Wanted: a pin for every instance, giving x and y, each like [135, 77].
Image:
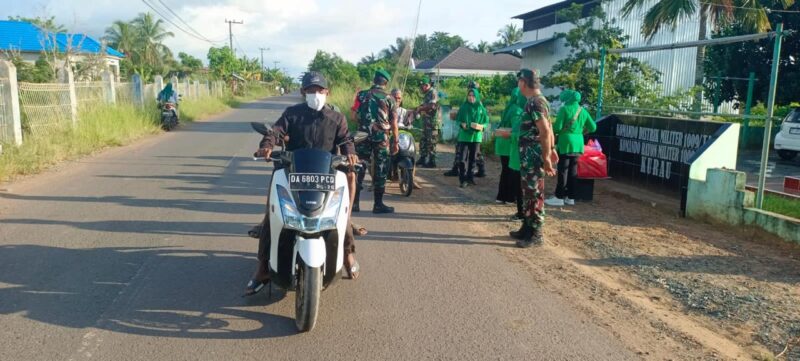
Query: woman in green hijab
[506, 193]
[571, 124]
[472, 117]
[168, 95]
[514, 113]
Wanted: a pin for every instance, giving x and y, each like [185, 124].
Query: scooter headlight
[291, 216]
[331, 212]
[405, 142]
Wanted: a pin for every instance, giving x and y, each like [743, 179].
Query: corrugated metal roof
[22, 36]
[523, 45]
[85, 44]
[466, 59]
[552, 8]
[26, 37]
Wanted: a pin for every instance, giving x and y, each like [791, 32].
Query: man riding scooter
[313, 124]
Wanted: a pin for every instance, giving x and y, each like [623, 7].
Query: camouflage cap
[531, 78]
[383, 74]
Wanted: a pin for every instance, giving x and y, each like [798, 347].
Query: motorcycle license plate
[312, 182]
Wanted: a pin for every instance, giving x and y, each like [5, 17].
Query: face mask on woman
[316, 100]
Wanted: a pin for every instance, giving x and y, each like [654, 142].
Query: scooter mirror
[261, 128]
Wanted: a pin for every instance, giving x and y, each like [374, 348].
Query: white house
[30, 42]
[541, 50]
[466, 62]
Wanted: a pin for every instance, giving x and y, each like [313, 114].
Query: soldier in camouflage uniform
[537, 156]
[376, 111]
[429, 112]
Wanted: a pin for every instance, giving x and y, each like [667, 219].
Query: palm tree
[122, 36]
[151, 34]
[483, 47]
[511, 34]
[669, 13]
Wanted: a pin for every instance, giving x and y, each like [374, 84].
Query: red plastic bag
[592, 163]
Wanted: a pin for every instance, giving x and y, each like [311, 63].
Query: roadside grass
[104, 126]
[194, 109]
[99, 127]
[781, 205]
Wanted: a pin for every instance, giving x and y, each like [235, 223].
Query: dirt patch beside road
[670, 288]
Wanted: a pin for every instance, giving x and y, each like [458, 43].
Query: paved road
[140, 254]
[777, 168]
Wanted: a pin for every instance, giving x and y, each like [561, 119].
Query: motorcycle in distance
[169, 115]
[404, 161]
[309, 208]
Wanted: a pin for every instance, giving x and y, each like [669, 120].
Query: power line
[411, 46]
[239, 46]
[230, 33]
[165, 18]
[185, 23]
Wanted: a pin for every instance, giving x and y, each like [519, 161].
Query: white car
[787, 141]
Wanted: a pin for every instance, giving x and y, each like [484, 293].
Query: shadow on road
[417, 237]
[199, 229]
[195, 205]
[157, 292]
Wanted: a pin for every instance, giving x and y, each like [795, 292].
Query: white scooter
[309, 211]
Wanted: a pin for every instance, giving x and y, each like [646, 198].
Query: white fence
[33, 109]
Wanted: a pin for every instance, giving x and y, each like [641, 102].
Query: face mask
[316, 101]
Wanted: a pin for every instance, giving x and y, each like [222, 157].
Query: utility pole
[262, 57]
[230, 33]
[276, 64]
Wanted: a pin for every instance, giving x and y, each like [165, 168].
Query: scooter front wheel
[309, 289]
[406, 181]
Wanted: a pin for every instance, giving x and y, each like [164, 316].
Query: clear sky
[292, 29]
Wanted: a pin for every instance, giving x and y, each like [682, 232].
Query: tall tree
[151, 36]
[669, 13]
[338, 71]
[739, 59]
[189, 61]
[122, 36]
[509, 34]
[222, 62]
[483, 47]
[626, 77]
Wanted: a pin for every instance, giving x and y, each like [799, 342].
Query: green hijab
[167, 92]
[471, 110]
[570, 97]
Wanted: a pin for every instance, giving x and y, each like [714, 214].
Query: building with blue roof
[31, 41]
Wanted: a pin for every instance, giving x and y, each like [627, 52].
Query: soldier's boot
[534, 238]
[522, 233]
[422, 161]
[379, 207]
[431, 162]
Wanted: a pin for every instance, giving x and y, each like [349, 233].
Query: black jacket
[308, 128]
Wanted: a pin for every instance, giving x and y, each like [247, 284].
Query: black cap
[314, 78]
[531, 78]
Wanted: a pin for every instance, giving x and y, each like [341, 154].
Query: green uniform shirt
[569, 133]
[470, 113]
